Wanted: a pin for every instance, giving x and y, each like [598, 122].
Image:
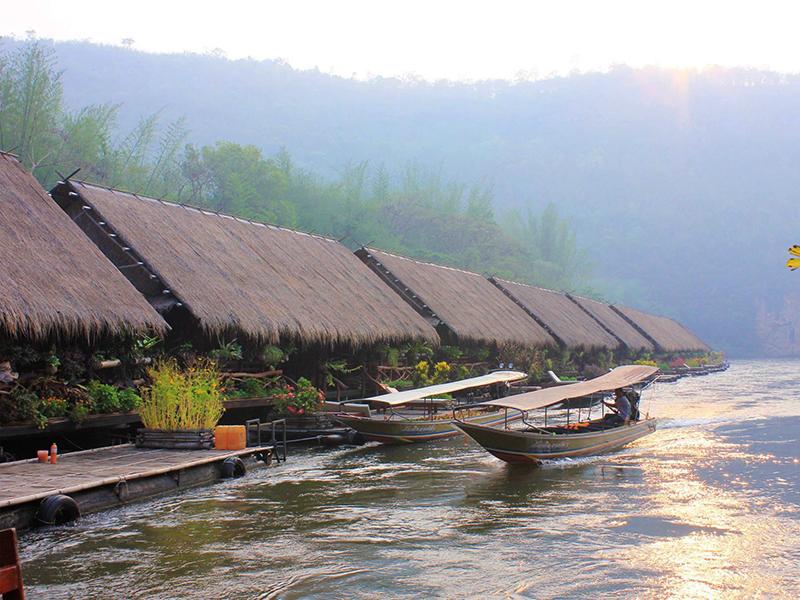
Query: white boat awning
[618, 378]
[431, 391]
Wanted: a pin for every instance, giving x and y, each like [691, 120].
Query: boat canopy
[398, 398]
[617, 378]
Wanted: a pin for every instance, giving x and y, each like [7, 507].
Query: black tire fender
[58, 509]
[233, 467]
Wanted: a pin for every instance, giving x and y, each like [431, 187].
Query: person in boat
[633, 397]
[621, 409]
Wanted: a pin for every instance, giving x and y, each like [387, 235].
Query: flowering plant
[297, 400]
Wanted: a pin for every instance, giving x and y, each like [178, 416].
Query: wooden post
[107, 364]
[11, 587]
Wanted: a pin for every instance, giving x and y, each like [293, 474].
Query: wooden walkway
[27, 481]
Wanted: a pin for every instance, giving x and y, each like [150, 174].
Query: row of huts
[92, 263]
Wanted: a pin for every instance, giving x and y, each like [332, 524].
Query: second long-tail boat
[425, 414]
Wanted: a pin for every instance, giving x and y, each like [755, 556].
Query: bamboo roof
[564, 319]
[666, 333]
[614, 323]
[257, 280]
[467, 304]
[55, 282]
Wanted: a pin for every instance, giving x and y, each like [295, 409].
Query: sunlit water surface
[708, 506]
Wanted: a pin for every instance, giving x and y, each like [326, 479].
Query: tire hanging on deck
[57, 510]
[233, 467]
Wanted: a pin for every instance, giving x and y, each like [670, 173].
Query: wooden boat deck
[27, 481]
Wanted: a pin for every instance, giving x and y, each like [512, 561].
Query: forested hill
[681, 186]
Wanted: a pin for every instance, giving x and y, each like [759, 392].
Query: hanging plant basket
[194, 439]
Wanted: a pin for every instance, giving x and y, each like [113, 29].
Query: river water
[708, 506]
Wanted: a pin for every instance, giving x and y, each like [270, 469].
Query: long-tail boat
[535, 442]
[424, 414]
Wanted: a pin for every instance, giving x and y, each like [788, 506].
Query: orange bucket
[237, 437]
[221, 437]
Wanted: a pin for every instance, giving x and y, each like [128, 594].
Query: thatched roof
[558, 314]
[668, 335]
[614, 323]
[238, 277]
[467, 304]
[55, 282]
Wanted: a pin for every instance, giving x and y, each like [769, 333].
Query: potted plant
[298, 400]
[181, 407]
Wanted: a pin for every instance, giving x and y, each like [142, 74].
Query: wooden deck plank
[26, 481]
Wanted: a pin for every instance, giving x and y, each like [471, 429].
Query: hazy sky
[436, 39]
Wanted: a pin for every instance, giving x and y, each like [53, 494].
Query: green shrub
[104, 397]
[393, 357]
[462, 372]
[300, 399]
[273, 356]
[253, 388]
[336, 369]
[54, 407]
[24, 404]
[128, 400]
[451, 353]
[227, 351]
[80, 410]
[483, 353]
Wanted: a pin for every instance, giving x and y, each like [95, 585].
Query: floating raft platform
[113, 476]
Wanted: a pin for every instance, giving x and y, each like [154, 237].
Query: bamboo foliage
[180, 400]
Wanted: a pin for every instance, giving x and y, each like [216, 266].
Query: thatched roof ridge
[613, 323]
[467, 304]
[257, 280]
[57, 283]
[564, 319]
[666, 333]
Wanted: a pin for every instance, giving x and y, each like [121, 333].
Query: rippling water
[708, 506]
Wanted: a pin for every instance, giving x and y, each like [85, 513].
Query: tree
[242, 182]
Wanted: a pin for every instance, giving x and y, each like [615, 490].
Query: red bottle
[53, 453]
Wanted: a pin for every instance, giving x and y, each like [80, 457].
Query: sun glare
[442, 40]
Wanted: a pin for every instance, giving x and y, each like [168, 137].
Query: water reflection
[707, 506]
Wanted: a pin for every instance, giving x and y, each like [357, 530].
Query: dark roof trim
[635, 325]
[137, 270]
[400, 288]
[528, 311]
[598, 321]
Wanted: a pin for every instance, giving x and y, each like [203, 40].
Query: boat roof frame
[408, 396]
[620, 377]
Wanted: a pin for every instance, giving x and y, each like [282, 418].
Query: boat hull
[408, 431]
[532, 447]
